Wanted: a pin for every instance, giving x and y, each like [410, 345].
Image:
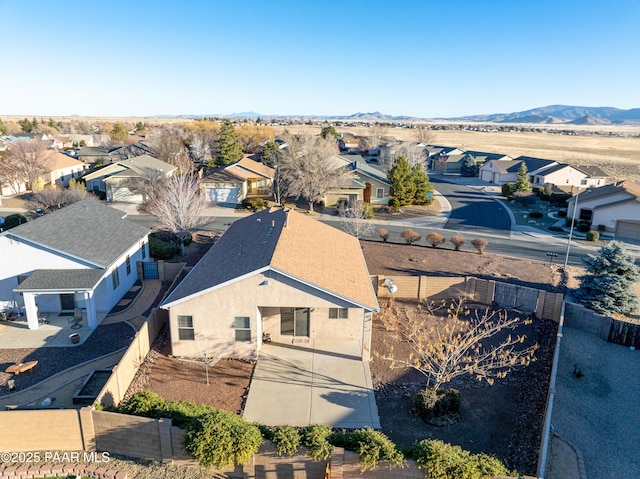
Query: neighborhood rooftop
[289, 243]
[87, 230]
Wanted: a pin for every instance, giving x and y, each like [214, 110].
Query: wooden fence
[542, 304]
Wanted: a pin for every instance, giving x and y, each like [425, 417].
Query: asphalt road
[472, 210]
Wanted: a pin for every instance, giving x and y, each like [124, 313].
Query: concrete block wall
[41, 430]
[578, 317]
[128, 435]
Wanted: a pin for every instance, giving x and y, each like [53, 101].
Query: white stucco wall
[608, 216]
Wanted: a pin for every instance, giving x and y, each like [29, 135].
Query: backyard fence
[606, 328]
[542, 304]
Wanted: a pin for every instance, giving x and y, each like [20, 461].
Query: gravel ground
[598, 413]
[104, 340]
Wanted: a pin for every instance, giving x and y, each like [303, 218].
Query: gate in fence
[150, 270]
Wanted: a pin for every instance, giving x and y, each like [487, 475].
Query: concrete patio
[322, 382]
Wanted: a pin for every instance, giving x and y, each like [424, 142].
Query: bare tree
[28, 160]
[200, 149]
[307, 168]
[443, 349]
[376, 134]
[178, 204]
[50, 199]
[251, 136]
[167, 144]
[414, 154]
[356, 218]
[423, 134]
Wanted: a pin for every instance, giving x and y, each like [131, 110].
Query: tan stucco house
[612, 209]
[234, 182]
[365, 183]
[279, 274]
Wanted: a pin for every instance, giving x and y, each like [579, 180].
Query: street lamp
[573, 220]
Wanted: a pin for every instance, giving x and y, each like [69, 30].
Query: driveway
[322, 382]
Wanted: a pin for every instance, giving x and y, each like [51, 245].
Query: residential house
[366, 183]
[63, 169]
[611, 209]
[276, 274]
[237, 181]
[438, 154]
[505, 171]
[98, 155]
[116, 180]
[94, 155]
[563, 175]
[82, 256]
[450, 163]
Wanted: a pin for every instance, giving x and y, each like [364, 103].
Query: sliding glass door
[294, 322]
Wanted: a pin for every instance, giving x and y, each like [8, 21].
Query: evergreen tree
[608, 285]
[118, 133]
[422, 184]
[269, 152]
[523, 184]
[35, 124]
[403, 188]
[3, 128]
[26, 125]
[229, 150]
[469, 167]
[329, 132]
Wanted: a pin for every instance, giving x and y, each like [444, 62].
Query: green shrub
[159, 249]
[374, 447]
[568, 222]
[535, 214]
[507, 190]
[286, 439]
[14, 220]
[316, 439]
[440, 460]
[223, 439]
[367, 211]
[562, 213]
[145, 403]
[435, 403]
[185, 414]
[254, 204]
[593, 236]
[395, 203]
[584, 226]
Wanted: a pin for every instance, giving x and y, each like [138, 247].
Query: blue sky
[428, 58]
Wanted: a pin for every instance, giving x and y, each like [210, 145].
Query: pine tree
[3, 128]
[469, 167]
[402, 186]
[523, 184]
[608, 285]
[229, 150]
[422, 184]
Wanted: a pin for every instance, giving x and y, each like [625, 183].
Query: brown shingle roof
[289, 243]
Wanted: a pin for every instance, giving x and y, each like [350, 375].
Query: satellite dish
[393, 288]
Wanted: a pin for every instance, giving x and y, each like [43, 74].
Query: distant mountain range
[550, 115]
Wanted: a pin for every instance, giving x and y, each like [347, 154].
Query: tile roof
[87, 230]
[290, 243]
[61, 280]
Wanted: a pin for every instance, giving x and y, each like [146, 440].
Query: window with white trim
[115, 278]
[379, 193]
[242, 325]
[128, 263]
[338, 313]
[185, 328]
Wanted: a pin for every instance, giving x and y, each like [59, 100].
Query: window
[128, 263]
[185, 328]
[115, 278]
[95, 185]
[338, 313]
[243, 328]
[379, 192]
[583, 182]
[144, 250]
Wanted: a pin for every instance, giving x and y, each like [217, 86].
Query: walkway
[323, 382]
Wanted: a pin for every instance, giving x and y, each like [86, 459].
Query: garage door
[223, 195]
[628, 230]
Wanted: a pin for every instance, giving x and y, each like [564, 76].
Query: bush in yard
[457, 242]
[410, 236]
[568, 221]
[507, 190]
[384, 234]
[223, 439]
[372, 446]
[435, 239]
[144, 403]
[286, 439]
[535, 214]
[562, 213]
[593, 236]
[584, 226]
[431, 404]
[394, 203]
[159, 249]
[14, 220]
[480, 244]
[316, 439]
[440, 460]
